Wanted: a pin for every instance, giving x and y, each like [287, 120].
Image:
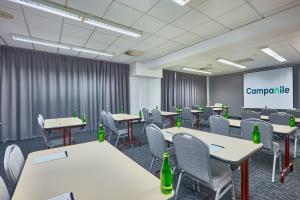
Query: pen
[66, 153]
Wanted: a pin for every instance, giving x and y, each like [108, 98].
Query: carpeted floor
[260, 170]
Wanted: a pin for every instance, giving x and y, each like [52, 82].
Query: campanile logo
[265, 91]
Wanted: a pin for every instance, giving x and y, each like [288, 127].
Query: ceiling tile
[168, 11]
[45, 23]
[238, 17]
[190, 20]
[87, 55]
[143, 6]
[154, 40]
[44, 34]
[10, 5]
[121, 42]
[17, 16]
[209, 29]
[13, 28]
[195, 3]
[215, 8]
[268, 8]
[77, 31]
[169, 32]
[142, 47]
[72, 40]
[14, 43]
[103, 37]
[172, 46]
[122, 14]
[43, 14]
[68, 52]
[93, 44]
[116, 49]
[94, 7]
[188, 38]
[122, 58]
[149, 24]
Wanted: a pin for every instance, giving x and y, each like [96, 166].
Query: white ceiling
[167, 27]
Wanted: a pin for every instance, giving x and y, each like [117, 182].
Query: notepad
[50, 157]
[65, 196]
[213, 148]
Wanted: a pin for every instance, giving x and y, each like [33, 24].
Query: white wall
[144, 88]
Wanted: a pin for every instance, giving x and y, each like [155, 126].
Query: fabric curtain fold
[167, 90]
[54, 85]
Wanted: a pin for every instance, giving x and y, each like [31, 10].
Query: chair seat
[221, 174]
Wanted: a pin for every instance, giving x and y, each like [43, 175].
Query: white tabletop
[125, 117]
[196, 111]
[92, 171]
[281, 129]
[165, 113]
[235, 150]
[68, 122]
[266, 117]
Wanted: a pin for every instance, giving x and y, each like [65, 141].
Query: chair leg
[109, 136]
[152, 162]
[144, 128]
[117, 140]
[217, 197]
[274, 167]
[232, 190]
[280, 163]
[178, 185]
[295, 147]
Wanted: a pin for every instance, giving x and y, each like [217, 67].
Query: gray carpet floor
[259, 171]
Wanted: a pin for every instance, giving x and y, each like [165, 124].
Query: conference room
[149, 99]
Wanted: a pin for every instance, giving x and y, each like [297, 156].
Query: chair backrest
[219, 125]
[296, 113]
[186, 114]
[195, 107]
[249, 114]
[186, 147]
[156, 141]
[268, 111]
[156, 116]
[13, 162]
[281, 118]
[265, 129]
[4, 195]
[111, 122]
[208, 111]
[103, 119]
[42, 118]
[172, 109]
[146, 115]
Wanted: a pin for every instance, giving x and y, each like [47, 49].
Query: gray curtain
[190, 89]
[54, 85]
[167, 90]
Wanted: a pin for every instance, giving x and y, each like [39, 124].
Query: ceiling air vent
[134, 53]
[5, 15]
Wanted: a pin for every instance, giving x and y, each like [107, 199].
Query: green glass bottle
[101, 135]
[140, 114]
[166, 176]
[74, 113]
[178, 121]
[292, 121]
[83, 118]
[256, 135]
[226, 114]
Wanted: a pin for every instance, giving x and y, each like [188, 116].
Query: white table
[64, 123]
[235, 151]
[266, 117]
[92, 171]
[283, 130]
[123, 117]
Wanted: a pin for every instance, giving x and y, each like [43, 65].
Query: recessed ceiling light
[273, 54]
[78, 16]
[195, 70]
[227, 62]
[181, 2]
[58, 45]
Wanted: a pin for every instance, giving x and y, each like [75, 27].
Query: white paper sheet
[213, 148]
[65, 196]
[50, 157]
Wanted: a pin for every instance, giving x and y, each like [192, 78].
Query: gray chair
[201, 168]
[296, 136]
[268, 111]
[296, 113]
[158, 146]
[4, 195]
[13, 163]
[54, 138]
[266, 138]
[247, 114]
[187, 118]
[104, 121]
[158, 120]
[120, 133]
[207, 112]
[219, 125]
[147, 118]
[280, 118]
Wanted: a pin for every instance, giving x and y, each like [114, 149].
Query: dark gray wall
[228, 89]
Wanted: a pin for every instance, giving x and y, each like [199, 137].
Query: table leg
[70, 142]
[198, 120]
[288, 165]
[65, 136]
[130, 139]
[245, 180]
